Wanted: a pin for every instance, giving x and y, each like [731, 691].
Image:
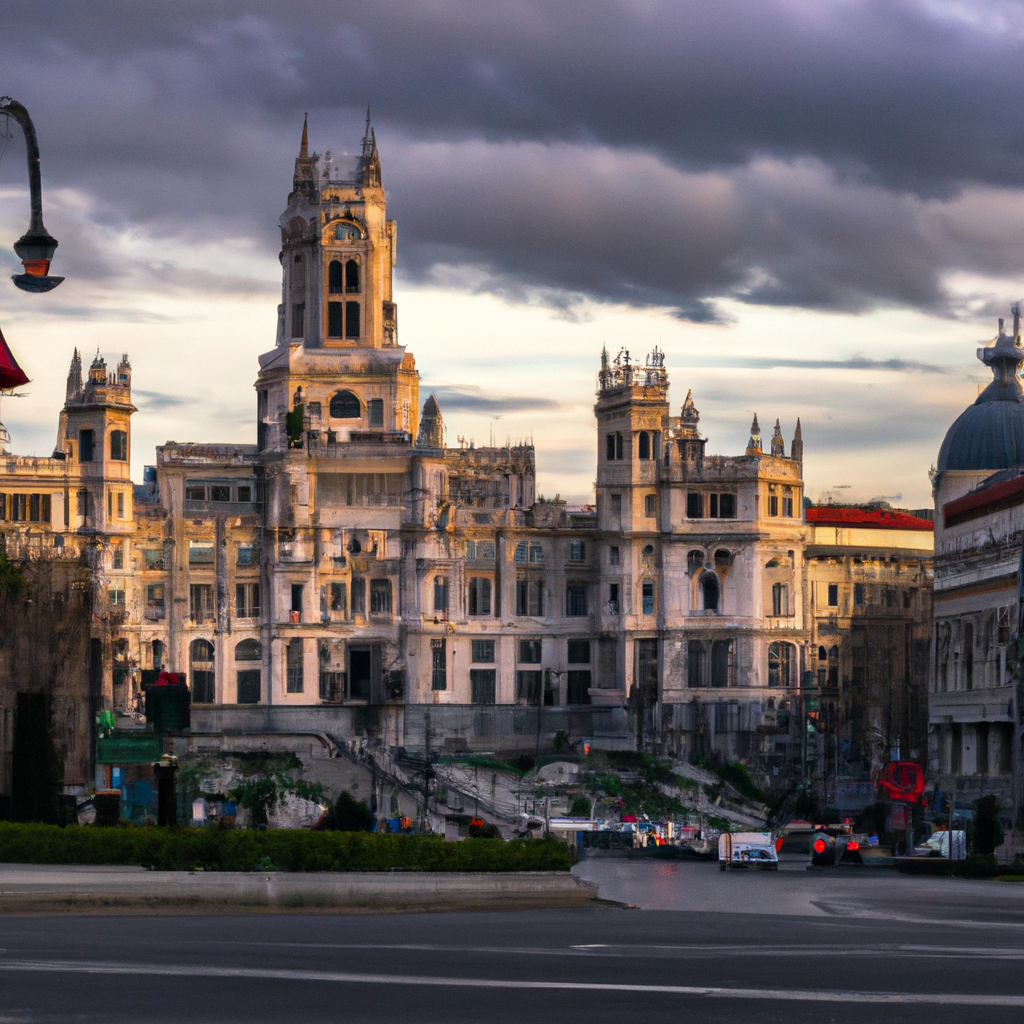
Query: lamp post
[35, 248]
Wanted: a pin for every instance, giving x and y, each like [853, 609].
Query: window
[295, 670]
[345, 406]
[334, 277]
[579, 686]
[833, 595]
[482, 651]
[155, 602]
[358, 595]
[83, 504]
[200, 602]
[117, 561]
[710, 591]
[613, 446]
[246, 555]
[479, 595]
[650, 506]
[195, 492]
[351, 319]
[298, 321]
[859, 594]
[575, 599]
[375, 412]
[613, 556]
[696, 662]
[440, 593]
[528, 686]
[247, 600]
[694, 505]
[86, 443]
[249, 650]
[438, 664]
[721, 506]
[644, 445]
[480, 550]
[721, 663]
[158, 654]
[613, 599]
[482, 685]
[780, 665]
[529, 596]
[616, 506]
[337, 598]
[520, 552]
[120, 504]
[529, 652]
[380, 597]
[296, 605]
[647, 597]
[351, 276]
[578, 652]
[116, 598]
[780, 599]
[119, 445]
[833, 667]
[201, 665]
[334, 315]
[536, 551]
[577, 551]
[787, 502]
[249, 685]
[200, 552]
[773, 501]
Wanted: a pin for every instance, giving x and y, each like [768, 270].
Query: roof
[870, 518]
[984, 500]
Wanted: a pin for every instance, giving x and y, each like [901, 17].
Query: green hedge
[212, 849]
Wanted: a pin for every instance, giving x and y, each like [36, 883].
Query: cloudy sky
[815, 209]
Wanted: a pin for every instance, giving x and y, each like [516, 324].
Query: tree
[265, 782]
[988, 833]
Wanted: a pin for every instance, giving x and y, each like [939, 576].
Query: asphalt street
[794, 946]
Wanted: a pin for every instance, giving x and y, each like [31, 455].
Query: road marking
[340, 977]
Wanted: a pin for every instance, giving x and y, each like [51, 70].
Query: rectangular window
[119, 445]
[713, 506]
[727, 506]
[833, 595]
[247, 600]
[780, 599]
[295, 680]
[375, 410]
[438, 664]
[859, 594]
[616, 506]
[536, 552]
[787, 502]
[579, 686]
[479, 595]
[298, 322]
[773, 504]
[116, 598]
[3, 507]
[483, 651]
[613, 599]
[296, 605]
[246, 555]
[155, 602]
[520, 553]
[110, 504]
[647, 597]
[576, 599]
[694, 505]
[86, 444]
[200, 601]
[248, 681]
[220, 492]
[120, 504]
[358, 595]
[522, 596]
[482, 685]
[195, 492]
[118, 555]
[578, 652]
[578, 551]
[480, 550]
[613, 556]
[351, 319]
[245, 492]
[380, 597]
[650, 506]
[721, 663]
[338, 602]
[83, 504]
[528, 686]
[200, 552]
[529, 652]
[334, 319]
[440, 593]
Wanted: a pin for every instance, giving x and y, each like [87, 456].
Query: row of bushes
[212, 849]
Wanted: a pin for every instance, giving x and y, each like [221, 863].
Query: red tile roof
[872, 519]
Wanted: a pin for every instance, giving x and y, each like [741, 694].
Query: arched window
[710, 591]
[645, 445]
[201, 665]
[345, 406]
[723, 560]
[249, 650]
[334, 275]
[695, 562]
[351, 276]
[351, 319]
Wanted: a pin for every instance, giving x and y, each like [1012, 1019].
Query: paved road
[822, 947]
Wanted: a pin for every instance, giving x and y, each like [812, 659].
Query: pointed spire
[74, 388]
[431, 433]
[796, 451]
[304, 145]
[754, 444]
[778, 444]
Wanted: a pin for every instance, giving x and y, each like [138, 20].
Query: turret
[778, 444]
[74, 385]
[431, 433]
[796, 452]
[754, 444]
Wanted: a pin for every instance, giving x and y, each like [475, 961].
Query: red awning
[11, 374]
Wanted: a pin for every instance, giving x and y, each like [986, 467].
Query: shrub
[349, 814]
[738, 777]
[580, 808]
[215, 849]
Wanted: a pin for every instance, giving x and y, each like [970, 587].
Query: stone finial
[778, 444]
[754, 444]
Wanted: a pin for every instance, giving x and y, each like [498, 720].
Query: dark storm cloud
[647, 152]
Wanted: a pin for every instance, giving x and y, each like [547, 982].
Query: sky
[814, 209]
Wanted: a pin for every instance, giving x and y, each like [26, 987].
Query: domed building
[974, 699]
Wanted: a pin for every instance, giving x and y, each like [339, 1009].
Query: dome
[989, 435]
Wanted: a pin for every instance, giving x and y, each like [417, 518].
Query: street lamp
[35, 248]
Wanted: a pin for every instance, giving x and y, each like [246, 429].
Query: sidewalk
[29, 888]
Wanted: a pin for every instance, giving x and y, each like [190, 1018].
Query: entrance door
[359, 673]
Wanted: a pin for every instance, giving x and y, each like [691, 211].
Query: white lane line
[341, 977]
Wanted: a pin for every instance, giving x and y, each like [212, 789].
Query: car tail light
[853, 845]
[819, 845]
